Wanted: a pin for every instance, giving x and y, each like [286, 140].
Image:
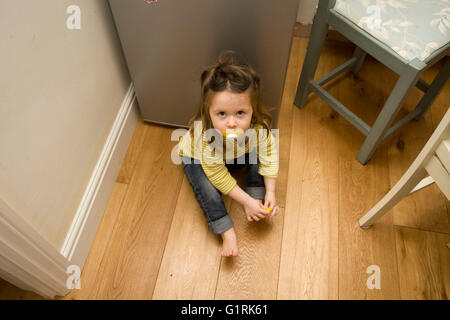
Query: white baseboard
[93, 204]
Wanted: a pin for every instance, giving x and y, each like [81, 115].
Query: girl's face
[231, 111]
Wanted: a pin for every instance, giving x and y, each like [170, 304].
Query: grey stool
[369, 29]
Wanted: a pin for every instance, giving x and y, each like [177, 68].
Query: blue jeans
[210, 199]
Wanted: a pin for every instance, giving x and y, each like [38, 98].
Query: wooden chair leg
[401, 189]
[390, 109]
[360, 55]
[315, 44]
[434, 89]
[427, 162]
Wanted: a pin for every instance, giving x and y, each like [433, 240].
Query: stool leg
[390, 109]
[315, 44]
[360, 55]
[435, 87]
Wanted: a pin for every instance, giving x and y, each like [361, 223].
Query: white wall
[306, 11]
[60, 92]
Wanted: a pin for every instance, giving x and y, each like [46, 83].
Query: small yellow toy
[269, 209]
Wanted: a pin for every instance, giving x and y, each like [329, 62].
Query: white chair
[433, 160]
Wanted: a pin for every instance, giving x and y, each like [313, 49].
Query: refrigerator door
[168, 43]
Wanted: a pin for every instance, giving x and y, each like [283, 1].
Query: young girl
[231, 104]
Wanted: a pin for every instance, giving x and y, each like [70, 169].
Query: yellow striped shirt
[213, 155]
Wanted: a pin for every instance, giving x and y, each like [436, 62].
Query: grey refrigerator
[168, 43]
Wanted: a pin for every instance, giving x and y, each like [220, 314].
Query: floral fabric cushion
[412, 28]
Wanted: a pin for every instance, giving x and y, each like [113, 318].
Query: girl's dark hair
[232, 74]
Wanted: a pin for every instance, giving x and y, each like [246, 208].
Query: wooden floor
[154, 243]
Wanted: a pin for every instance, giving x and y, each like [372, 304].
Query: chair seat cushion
[412, 28]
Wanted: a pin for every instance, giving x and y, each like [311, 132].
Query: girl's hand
[255, 210]
[271, 202]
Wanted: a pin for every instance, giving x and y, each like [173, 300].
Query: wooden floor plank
[90, 274]
[308, 266]
[360, 187]
[131, 262]
[133, 153]
[442, 102]
[285, 120]
[424, 264]
[254, 274]
[191, 260]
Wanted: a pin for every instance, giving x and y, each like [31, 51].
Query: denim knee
[208, 197]
[255, 182]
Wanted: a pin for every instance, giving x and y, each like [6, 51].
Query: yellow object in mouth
[232, 134]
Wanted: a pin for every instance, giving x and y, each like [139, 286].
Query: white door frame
[28, 260]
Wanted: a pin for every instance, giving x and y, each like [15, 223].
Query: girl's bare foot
[229, 246]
